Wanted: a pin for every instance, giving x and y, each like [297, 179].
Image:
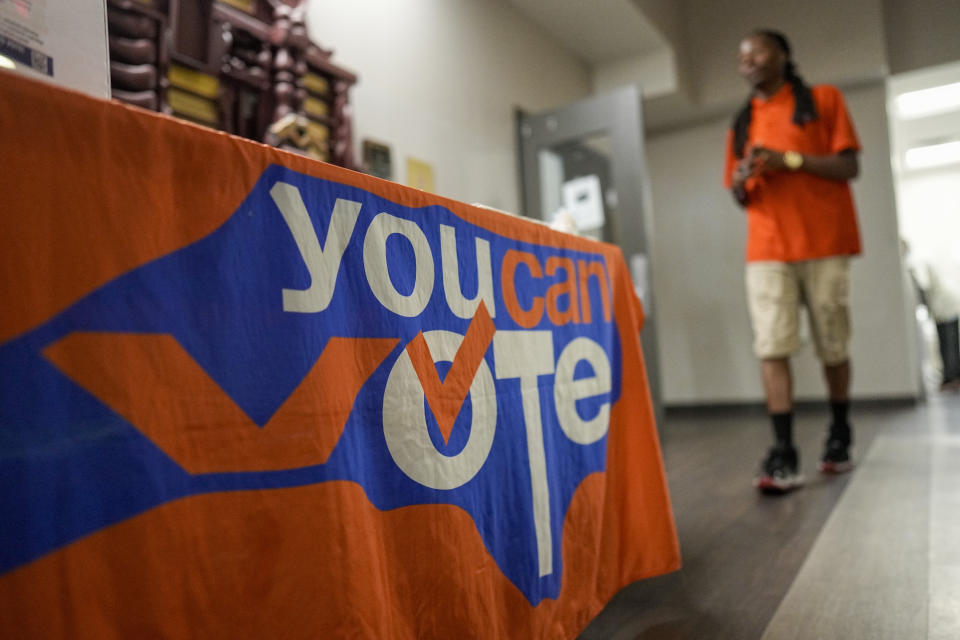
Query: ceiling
[596, 31]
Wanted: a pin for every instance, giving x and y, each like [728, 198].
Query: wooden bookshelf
[243, 66]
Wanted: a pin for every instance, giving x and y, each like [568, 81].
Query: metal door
[585, 161]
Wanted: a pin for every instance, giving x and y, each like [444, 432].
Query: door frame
[619, 115]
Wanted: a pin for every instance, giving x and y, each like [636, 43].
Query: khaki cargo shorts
[775, 292]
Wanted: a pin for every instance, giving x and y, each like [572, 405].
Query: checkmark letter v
[446, 398]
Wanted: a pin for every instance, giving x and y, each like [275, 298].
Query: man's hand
[742, 171]
[838, 166]
[769, 159]
[751, 164]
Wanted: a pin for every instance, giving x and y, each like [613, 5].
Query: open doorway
[586, 160]
[924, 108]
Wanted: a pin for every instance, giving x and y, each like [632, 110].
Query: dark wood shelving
[246, 67]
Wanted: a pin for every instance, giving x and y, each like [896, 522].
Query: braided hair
[804, 110]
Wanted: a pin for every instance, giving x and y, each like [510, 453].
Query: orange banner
[246, 394]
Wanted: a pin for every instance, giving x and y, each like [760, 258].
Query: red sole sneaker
[769, 484]
[835, 468]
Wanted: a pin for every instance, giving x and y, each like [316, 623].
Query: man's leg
[778, 387]
[836, 453]
[773, 298]
[838, 386]
[777, 384]
[838, 381]
[826, 286]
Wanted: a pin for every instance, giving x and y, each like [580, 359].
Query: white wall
[705, 351]
[921, 33]
[835, 42]
[928, 199]
[654, 72]
[885, 359]
[698, 248]
[439, 81]
[930, 212]
[705, 340]
[668, 18]
[659, 70]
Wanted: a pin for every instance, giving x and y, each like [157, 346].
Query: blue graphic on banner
[70, 465]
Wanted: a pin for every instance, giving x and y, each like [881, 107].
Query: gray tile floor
[873, 554]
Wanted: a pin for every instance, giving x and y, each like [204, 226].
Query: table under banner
[244, 394]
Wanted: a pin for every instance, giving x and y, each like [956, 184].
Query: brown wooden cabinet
[243, 66]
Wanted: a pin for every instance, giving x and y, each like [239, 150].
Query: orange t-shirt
[793, 215]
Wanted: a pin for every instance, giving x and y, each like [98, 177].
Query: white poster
[583, 199]
[60, 41]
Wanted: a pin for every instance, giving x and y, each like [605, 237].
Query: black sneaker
[836, 456]
[780, 471]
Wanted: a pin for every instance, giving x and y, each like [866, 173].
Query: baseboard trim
[800, 406]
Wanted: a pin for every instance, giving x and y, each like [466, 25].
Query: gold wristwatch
[792, 160]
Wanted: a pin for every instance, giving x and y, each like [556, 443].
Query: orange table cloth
[244, 394]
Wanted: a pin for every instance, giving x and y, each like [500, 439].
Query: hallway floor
[870, 555]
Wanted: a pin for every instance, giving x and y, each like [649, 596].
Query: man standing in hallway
[790, 153]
